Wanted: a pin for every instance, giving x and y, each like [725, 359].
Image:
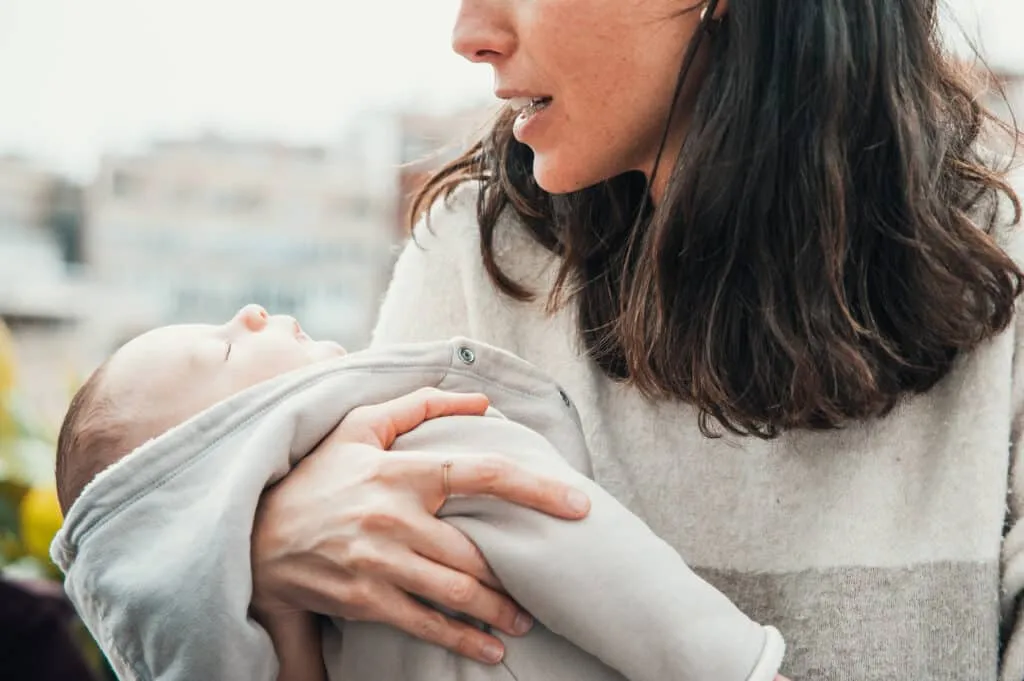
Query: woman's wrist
[296, 639]
[268, 540]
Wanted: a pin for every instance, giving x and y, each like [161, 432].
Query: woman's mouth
[528, 109]
[523, 104]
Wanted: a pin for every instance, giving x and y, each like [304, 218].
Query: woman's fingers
[434, 478]
[442, 543]
[501, 477]
[433, 626]
[380, 425]
[460, 593]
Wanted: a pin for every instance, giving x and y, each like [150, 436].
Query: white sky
[78, 76]
[81, 76]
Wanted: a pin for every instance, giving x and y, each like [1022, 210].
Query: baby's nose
[253, 317]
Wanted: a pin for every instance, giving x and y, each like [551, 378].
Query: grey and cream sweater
[888, 550]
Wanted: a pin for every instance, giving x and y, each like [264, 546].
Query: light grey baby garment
[156, 550]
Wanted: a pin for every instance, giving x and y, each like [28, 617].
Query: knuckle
[357, 598]
[465, 644]
[380, 522]
[492, 470]
[432, 626]
[461, 590]
[364, 557]
[386, 470]
[356, 426]
[356, 416]
[428, 392]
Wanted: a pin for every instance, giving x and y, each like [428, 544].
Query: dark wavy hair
[824, 246]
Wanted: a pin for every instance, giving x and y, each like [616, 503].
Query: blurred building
[24, 192]
[428, 142]
[41, 300]
[202, 227]
[30, 253]
[401, 148]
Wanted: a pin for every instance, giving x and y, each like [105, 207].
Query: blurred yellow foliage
[7, 361]
[40, 520]
[29, 513]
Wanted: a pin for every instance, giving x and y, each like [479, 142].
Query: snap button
[466, 355]
[565, 397]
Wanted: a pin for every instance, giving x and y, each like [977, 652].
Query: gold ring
[446, 481]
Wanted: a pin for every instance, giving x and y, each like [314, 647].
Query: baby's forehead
[166, 341]
[155, 354]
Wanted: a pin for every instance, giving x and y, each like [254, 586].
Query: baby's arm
[297, 642]
[606, 583]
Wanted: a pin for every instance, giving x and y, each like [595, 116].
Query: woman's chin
[556, 178]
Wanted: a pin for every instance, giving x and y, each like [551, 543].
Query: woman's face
[606, 70]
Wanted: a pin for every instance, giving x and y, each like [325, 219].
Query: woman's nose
[252, 317]
[483, 32]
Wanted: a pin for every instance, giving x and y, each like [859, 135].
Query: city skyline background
[167, 162]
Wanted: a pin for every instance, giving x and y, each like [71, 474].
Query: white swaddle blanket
[156, 551]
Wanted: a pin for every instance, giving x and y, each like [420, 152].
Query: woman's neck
[666, 165]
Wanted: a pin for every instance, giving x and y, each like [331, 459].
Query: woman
[759, 244]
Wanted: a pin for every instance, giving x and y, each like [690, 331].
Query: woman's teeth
[528, 105]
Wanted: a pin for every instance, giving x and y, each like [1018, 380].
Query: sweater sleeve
[426, 299]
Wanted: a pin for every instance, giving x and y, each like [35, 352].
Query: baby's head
[166, 376]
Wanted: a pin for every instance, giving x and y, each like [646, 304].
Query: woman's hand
[352, 531]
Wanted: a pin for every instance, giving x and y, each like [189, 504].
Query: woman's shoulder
[451, 222]
[441, 286]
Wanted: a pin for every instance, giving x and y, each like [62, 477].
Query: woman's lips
[528, 117]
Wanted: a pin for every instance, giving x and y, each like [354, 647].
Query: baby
[596, 582]
[164, 377]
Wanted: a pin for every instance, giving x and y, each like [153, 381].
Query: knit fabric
[877, 550]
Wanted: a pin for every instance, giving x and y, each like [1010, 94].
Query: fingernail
[578, 501]
[493, 652]
[522, 624]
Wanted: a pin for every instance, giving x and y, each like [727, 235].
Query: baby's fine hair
[91, 438]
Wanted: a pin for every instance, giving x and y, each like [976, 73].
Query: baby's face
[170, 374]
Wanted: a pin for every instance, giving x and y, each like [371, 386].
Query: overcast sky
[80, 76]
